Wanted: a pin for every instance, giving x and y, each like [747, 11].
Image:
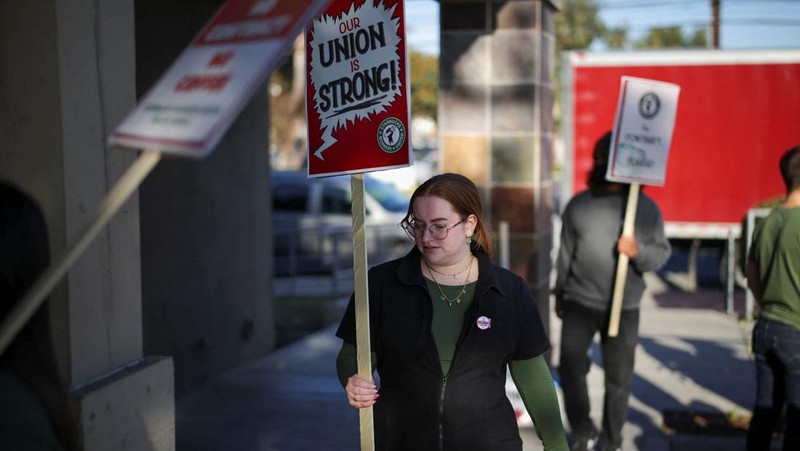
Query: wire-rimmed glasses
[438, 231]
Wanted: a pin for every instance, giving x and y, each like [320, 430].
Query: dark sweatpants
[580, 324]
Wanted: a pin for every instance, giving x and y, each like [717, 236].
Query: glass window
[335, 199]
[387, 195]
[290, 197]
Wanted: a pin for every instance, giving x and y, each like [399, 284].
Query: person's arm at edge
[565, 250]
[751, 271]
[753, 280]
[535, 385]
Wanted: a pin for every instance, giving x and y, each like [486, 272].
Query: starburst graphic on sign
[355, 67]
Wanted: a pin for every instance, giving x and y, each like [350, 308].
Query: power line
[693, 13]
[640, 4]
[659, 22]
[762, 21]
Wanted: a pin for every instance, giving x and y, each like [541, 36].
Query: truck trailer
[738, 112]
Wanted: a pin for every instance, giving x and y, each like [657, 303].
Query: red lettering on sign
[349, 25]
[211, 83]
[221, 59]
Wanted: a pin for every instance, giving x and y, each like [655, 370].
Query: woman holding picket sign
[445, 325]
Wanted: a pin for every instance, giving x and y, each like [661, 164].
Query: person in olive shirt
[445, 325]
[773, 275]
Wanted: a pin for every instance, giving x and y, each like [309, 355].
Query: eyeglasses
[437, 231]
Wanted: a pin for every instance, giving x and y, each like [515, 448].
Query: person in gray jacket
[586, 267]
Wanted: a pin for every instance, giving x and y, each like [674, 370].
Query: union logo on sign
[649, 105]
[391, 135]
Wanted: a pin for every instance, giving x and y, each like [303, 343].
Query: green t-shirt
[448, 319]
[776, 252]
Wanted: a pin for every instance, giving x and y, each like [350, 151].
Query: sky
[745, 24]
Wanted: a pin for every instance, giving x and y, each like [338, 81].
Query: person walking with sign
[445, 324]
[773, 271]
[590, 244]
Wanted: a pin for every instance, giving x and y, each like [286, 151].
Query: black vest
[419, 408]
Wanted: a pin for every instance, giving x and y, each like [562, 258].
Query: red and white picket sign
[357, 100]
[194, 103]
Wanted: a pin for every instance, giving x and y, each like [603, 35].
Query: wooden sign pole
[36, 295]
[362, 305]
[622, 262]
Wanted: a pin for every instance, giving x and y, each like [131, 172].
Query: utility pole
[715, 23]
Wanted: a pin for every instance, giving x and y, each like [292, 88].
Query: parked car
[312, 222]
[407, 179]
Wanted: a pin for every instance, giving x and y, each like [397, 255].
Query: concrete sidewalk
[692, 365]
[692, 368]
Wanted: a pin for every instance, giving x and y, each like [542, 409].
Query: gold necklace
[454, 274]
[457, 299]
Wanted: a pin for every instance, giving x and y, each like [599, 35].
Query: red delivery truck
[738, 112]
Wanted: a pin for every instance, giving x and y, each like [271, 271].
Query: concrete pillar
[496, 123]
[206, 225]
[67, 71]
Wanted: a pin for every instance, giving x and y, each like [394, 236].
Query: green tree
[699, 39]
[616, 38]
[662, 37]
[578, 25]
[424, 74]
[671, 37]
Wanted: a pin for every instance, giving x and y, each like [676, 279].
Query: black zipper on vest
[444, 389]
[452, 364]
[441, 413]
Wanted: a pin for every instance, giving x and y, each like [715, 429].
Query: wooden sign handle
[38, 292]
[622, 262]
[362, 305]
